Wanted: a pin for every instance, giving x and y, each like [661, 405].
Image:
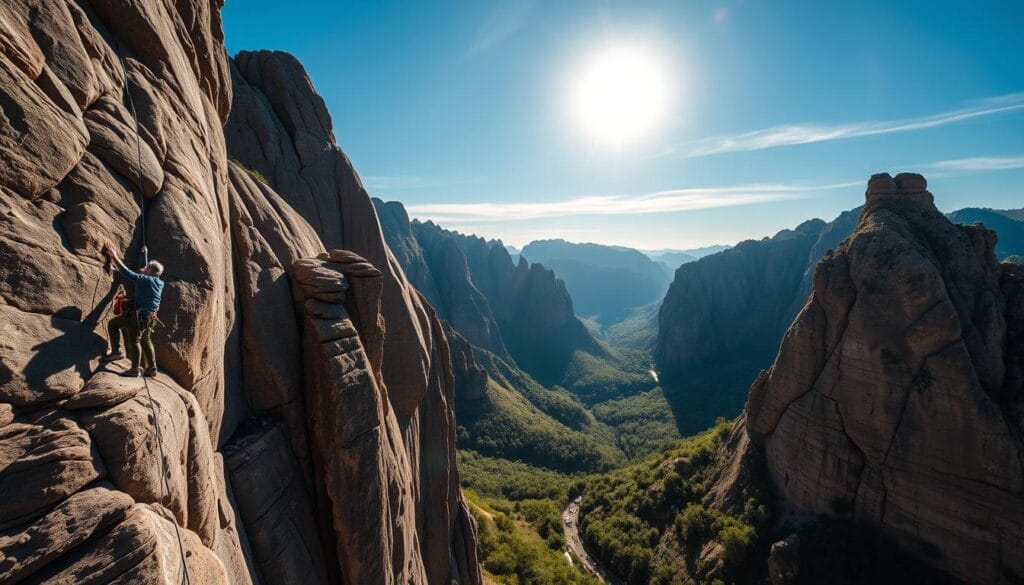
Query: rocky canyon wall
[305, 405]
[721, 322]
[733, 308]
[518, 310]
[895, 401]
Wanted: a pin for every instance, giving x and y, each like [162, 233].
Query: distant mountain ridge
[667, 254]
[514, 310]
[604, 281]
[673, 259]
[1008, 223]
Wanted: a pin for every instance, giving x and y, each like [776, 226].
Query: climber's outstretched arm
[128, 272]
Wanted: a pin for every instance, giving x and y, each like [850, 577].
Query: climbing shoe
[150, 373]
[132, 373]
[112, 357]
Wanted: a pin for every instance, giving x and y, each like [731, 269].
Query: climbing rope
[138, 154]
[165, 486]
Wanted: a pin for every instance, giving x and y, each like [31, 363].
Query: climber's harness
[153, 319]
[125, 305]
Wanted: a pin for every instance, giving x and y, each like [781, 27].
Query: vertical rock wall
[85, 486]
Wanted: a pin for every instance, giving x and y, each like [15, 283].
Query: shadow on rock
[69, 353]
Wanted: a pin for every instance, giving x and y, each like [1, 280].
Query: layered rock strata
[895, 400]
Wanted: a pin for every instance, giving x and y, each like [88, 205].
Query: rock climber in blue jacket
[139, 320]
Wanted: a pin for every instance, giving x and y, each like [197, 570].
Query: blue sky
[779, 110]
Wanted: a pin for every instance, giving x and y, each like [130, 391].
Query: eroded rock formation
[734, 307]
[895, 400]
[305, 413]
[1008, 223]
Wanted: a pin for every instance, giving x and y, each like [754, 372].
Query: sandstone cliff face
[306, 410]
[386, 473]
[895, 400]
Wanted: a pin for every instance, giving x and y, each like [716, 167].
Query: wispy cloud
[980, 163]
[661, 202]
[520, 233]
[504, 20]
[408, 183]
[789, 135]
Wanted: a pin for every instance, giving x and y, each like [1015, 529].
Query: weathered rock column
[359, 458]
[894, 400]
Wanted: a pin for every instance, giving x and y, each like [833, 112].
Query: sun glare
[620, 95]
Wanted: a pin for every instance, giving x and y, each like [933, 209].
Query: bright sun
[620, 95]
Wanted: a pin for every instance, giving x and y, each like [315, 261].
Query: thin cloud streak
[503, 21]
[404, 182]
[980, 163]
[790, 135]
[660, 202]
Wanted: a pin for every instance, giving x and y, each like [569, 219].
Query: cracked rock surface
[895, 399]
[283, 460]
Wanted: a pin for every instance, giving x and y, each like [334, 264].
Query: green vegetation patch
[639, 331]
[509, 426]
[651, 522]
[256, 175]
[643, 423]
[596, 379]
[521, 543]
[511, 480]
[556, 402]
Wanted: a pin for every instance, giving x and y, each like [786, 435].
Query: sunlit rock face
[895, 399]
[243, 405]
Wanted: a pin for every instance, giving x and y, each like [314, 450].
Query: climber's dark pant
[127, 323]
[143, 342]
[138, 330]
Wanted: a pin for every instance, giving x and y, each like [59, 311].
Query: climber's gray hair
[155, 268]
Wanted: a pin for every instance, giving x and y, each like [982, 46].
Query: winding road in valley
[574, 542]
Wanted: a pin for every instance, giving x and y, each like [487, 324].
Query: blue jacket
[147, 290]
